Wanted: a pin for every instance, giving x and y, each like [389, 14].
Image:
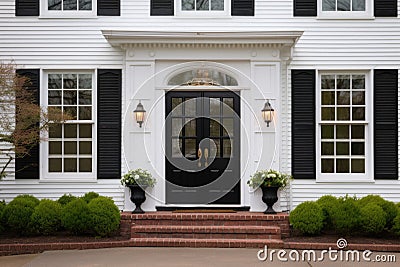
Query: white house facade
[203, 71]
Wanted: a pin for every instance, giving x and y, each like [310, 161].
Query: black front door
[202, 148]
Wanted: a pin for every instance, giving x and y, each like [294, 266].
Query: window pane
[328, 81]
[343, 5]
[358, 5]
[358, 80]
[55, 80]
[328, 5]
[357, 131]
[85, 131]
[358, 97]
[342, 131]
[70, 4]
[190, 107]
[342, 166]
[70, 97]
[228, 127]
[188, 4]
[55, 148]
[343, 98]
[85, 113]
[217, 4]
[177, 127]
[214, 127]
[343, 81]
[327, 131]
[215, 105]
[54, 5]
[176, 148]
[70, 165]
[342, 148]
[327, 166]
[359, 114]
[217, 146]
[71, 111]
[85, 165]
[190, 148]
[328, 114]
[327, 148]
[54, 97]
[176, 106]
[85, 148]
[357, 148]
[70, 81]
[343, 114]
[55, 165]
[202, 5]
[70, 130]
[190, 127]
[85, 4]
[227, 107]
[55, 130]
[70, 148]
[227, 148]
[85, 97]
[357, 165]
[328, 98]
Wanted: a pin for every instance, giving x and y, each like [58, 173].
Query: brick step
[206, 243]
[202, 232]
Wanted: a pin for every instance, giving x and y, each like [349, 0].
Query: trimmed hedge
[2, 223]
[346, 216]
[105, 216]
[388, 207]
[396, 225]
[308, 218]
[17, 214]
[46, 218]
[89, 196]
[65, 199]
[328, 204]
[28, 197]
[372, 219]
[76, 217]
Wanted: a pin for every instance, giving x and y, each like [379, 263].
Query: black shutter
[305, 8]
[161, 7]
[109, 84]
[385, 8]
[27, 7]
[108, 7]
[28, 166]
[242, 7]
[303, 124]
[385, 124]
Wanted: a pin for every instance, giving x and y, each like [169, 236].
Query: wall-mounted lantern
[267, 112]
[139, 114]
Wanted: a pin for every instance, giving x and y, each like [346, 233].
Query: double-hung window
[345, 8]
[207, 8]
[343, 138]
[71, 144]
[69, 8]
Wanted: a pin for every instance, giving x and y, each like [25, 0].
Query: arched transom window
[203, 76]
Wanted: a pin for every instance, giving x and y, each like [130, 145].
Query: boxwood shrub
[105, 216]
[17, 214]
[372, 219]
[76, 217]
[388, 207]
[2, 223]
[46, 218]
[346, 216]
[396, 225]
[89, 196]
[28, 197]
[308, 218]
[328, 204]
[66, 198]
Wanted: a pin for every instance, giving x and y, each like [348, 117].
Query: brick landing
[240, 230]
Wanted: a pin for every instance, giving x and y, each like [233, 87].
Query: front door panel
[202, 148]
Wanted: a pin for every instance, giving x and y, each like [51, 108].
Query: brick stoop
[241, 229]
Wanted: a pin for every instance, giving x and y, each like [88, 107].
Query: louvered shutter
[242, 7]
[109, 84]
[305, 8]
[385, 8]
[386, 124]
[303, 124]
[28, 166]
[162, 7]
[27, 7]
[108, 7]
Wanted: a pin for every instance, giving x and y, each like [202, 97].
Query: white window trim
[204, 13]
[62, 14]
[367, 14]
[45, 175]
[369, 137]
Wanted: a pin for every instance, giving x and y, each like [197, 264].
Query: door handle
[199, 154]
